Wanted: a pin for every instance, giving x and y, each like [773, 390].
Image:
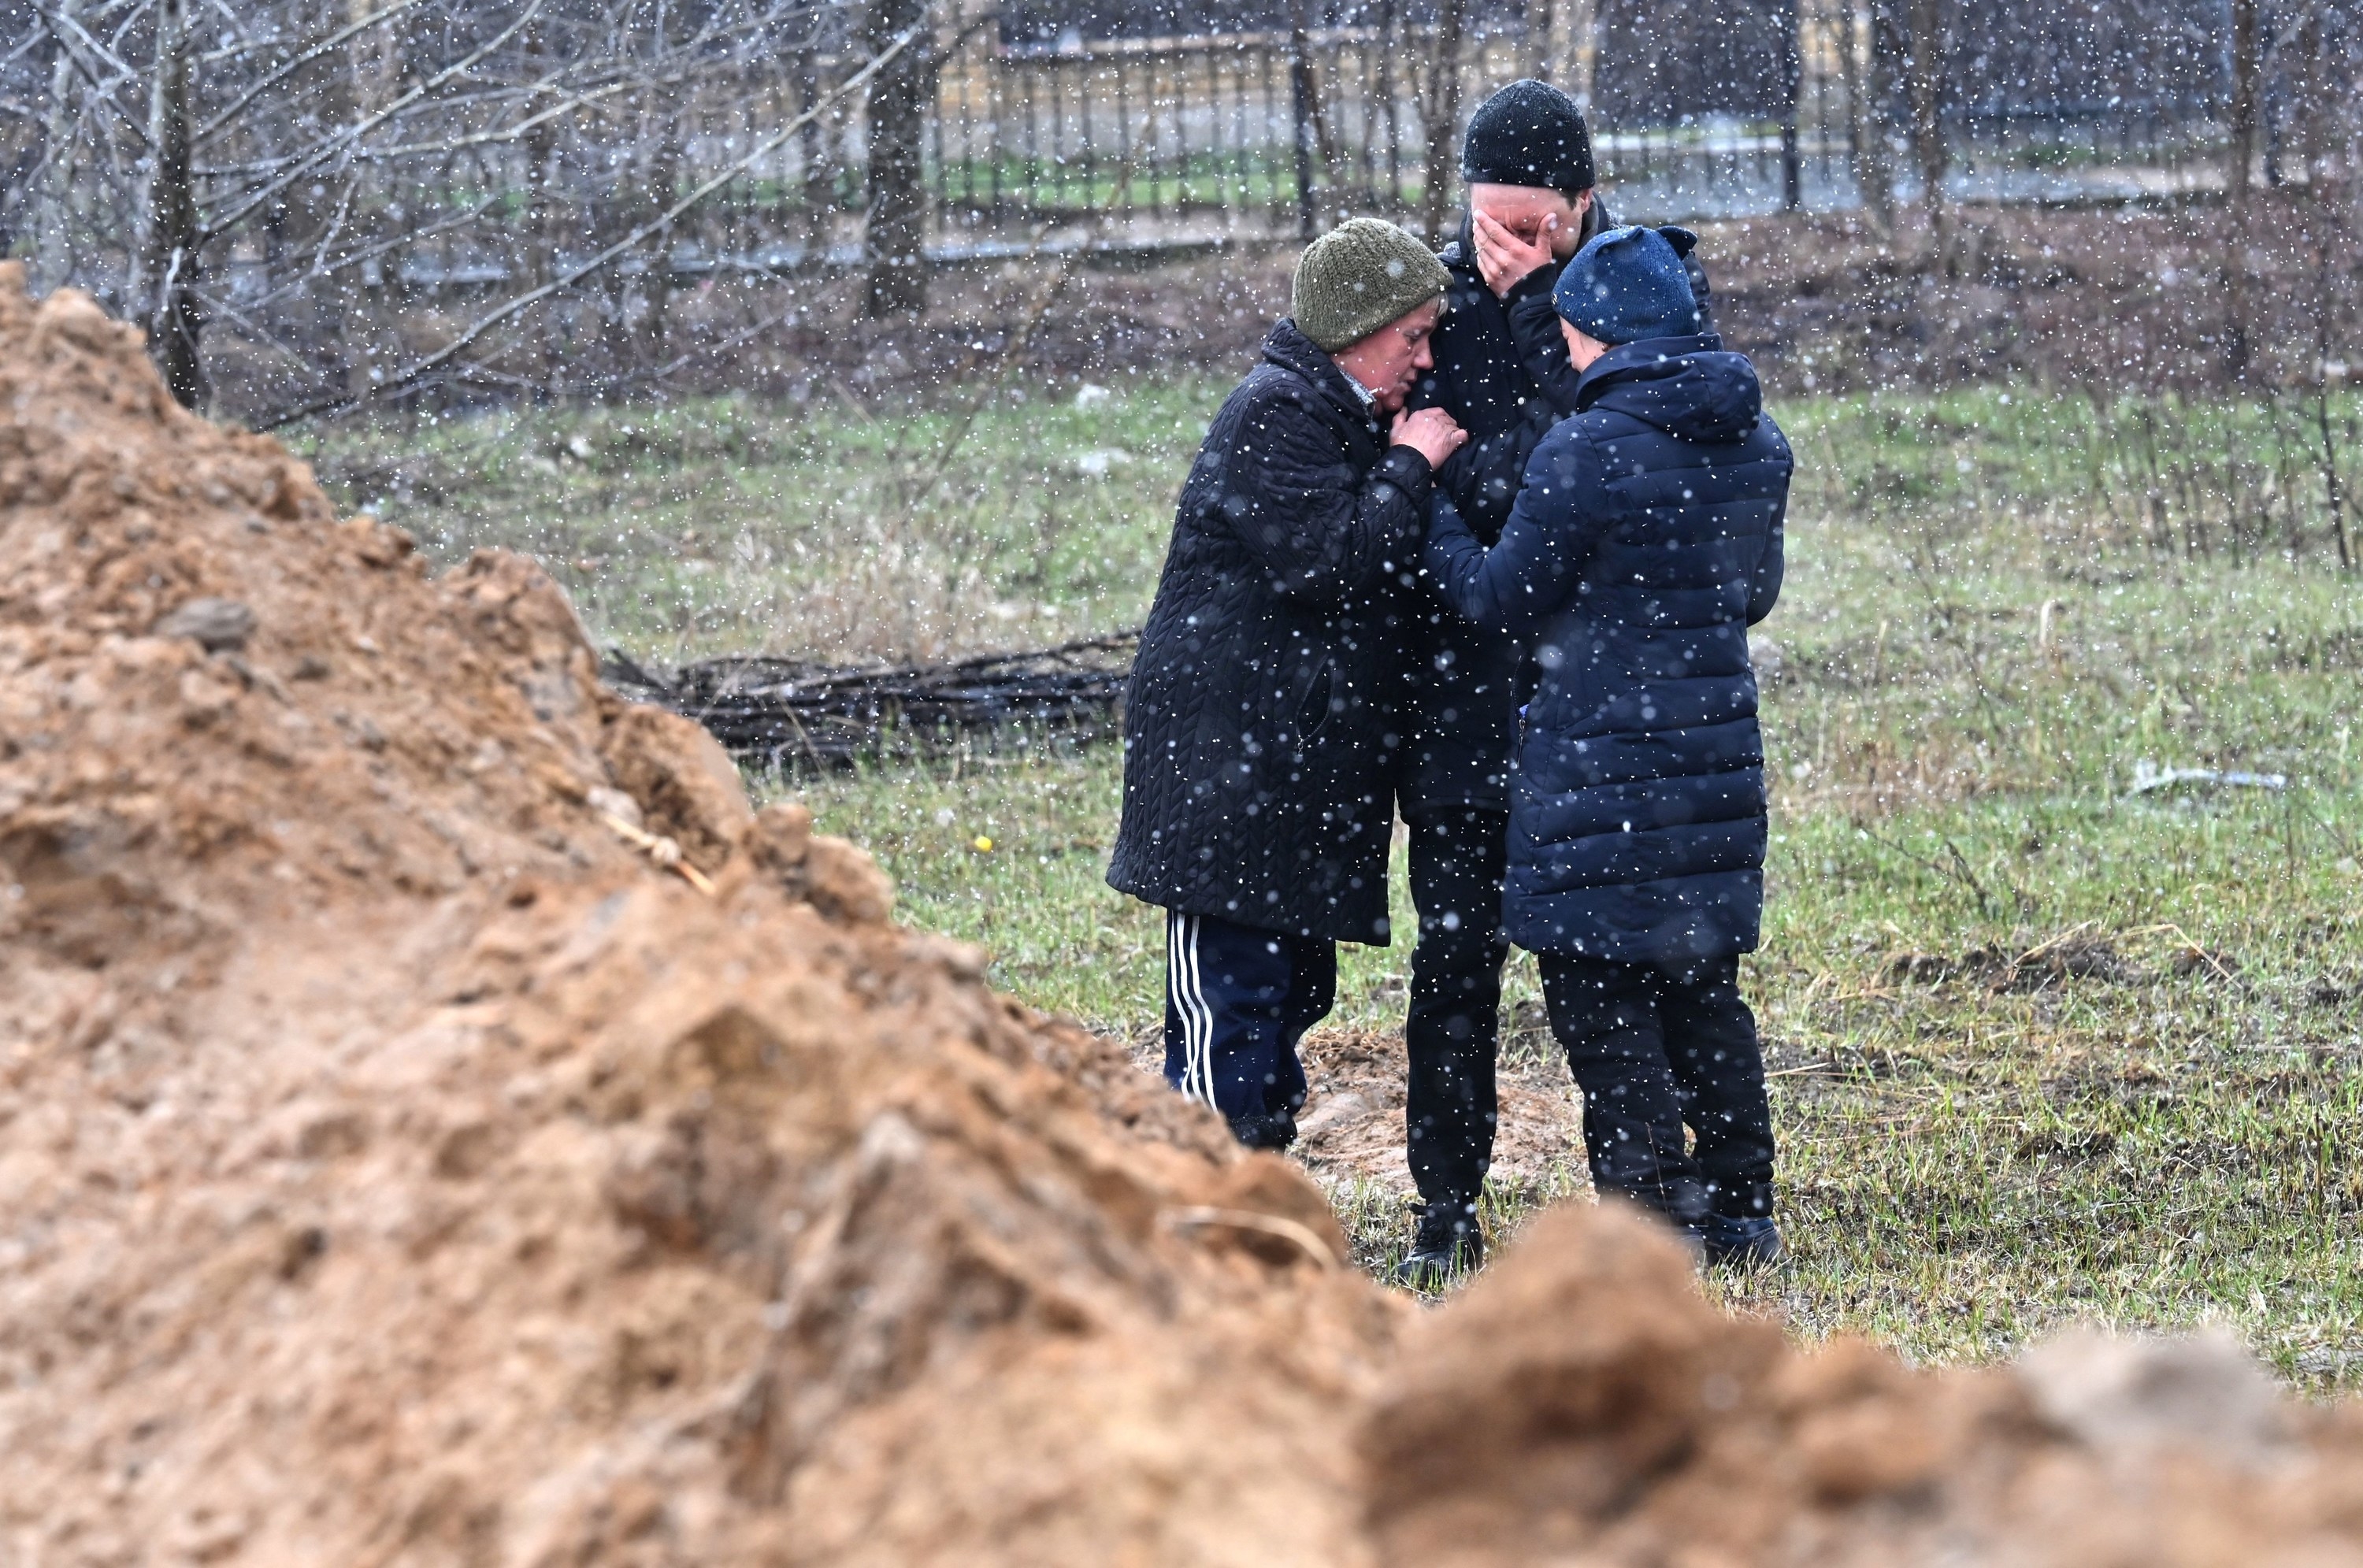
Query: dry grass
[1010, 518]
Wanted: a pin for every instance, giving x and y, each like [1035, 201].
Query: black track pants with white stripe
[1237, 1002]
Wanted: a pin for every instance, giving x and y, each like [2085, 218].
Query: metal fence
[650, 195]
[1208, 135]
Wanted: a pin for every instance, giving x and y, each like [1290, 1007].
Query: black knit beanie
[1532, 134]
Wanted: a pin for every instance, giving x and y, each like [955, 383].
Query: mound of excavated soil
[1581, 1404]
[398, 1165]
[441, 1124]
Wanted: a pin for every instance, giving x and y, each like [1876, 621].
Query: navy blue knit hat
[1627, 284]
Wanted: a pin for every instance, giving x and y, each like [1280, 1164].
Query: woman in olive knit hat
[1260, 722]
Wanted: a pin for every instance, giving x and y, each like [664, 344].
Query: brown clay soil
[1350, 1130]
[441, 1124]
[398, 1166]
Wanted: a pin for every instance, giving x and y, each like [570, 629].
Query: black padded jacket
[1261, 721]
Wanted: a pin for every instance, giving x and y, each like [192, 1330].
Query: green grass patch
[2045, 1053]
[999, 517]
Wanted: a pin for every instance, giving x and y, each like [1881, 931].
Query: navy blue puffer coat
[1644, 540]
[1501, 371]
[1260, 725]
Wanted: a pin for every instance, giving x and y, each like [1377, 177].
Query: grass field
[831, 530]
[2045, 1049]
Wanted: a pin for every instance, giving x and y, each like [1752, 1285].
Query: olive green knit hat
[1360, 276]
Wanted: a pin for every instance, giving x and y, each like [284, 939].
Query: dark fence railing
[1207, 134]
[379, 223]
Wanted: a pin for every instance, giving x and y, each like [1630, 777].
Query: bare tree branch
[238, 106]
[345, 138]
[523, 301]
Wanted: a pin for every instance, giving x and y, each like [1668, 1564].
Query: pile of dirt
[403, 1162]
[440, 1123]
[1351, 1128]
[1581, 1404]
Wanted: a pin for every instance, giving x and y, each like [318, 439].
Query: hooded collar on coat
[1688, 387]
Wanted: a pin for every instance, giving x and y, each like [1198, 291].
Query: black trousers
[1456, 861]
[1655, 1050]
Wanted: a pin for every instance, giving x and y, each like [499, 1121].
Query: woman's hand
[1432, 433]
[1503, 258]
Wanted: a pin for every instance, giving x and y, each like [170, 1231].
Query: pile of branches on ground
[789, 714]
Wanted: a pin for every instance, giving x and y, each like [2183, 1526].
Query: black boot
[1274, 1130]
[1741, 1244]
[1449, 1244]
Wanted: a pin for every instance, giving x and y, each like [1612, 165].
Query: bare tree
[163, 289]
[1924, 74]
[1439, 114]
[815, 154]
[52, 168]
[1583, 54]
[897, 232]
[1541, 59]
[1875, 55]
[1789, 24]
[2248, 51]
[1304, 109]
[355, 200]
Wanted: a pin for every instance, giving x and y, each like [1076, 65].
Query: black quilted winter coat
[1259, 723]
[1646, 539]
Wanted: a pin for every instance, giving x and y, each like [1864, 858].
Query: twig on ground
[665, 852]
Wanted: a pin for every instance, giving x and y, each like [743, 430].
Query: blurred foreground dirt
[441, 1124]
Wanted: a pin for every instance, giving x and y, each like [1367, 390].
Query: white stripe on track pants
[1237, 1002]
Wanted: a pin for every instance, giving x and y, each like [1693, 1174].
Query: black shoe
[1449, 1245]
[1274, 1130]
[1741, 1243]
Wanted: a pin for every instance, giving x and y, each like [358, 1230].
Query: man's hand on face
[1504, 257]
[1430, 432]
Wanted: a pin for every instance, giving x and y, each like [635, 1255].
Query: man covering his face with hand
[1501, 371]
